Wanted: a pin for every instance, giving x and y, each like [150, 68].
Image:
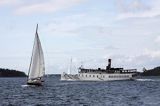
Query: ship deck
[108, 71]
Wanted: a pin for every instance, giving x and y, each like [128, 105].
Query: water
[142, 92]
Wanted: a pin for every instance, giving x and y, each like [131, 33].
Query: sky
[88, 31]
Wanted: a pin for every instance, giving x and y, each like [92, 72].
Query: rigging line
[68, 76]
[31, 58]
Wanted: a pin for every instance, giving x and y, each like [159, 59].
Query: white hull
[69, 77]
[35, 82]
[97, 76]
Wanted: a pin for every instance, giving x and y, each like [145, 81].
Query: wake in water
[32, 86]
[146, 80]
[23, 86]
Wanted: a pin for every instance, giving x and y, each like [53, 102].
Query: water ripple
[62, 93]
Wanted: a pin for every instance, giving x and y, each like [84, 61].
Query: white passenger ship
[108, 74]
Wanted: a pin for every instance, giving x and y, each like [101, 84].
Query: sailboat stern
[36, 82]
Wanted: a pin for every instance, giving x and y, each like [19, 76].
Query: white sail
[36, 69]
[70, 67]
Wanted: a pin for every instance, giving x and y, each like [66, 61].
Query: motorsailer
[108, 74]
[37, 67]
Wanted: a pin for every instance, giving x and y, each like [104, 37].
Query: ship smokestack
[109, 64]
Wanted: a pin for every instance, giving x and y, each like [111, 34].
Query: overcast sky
[89, 31]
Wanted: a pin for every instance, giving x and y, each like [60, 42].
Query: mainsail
[37, 67]
[70, 67]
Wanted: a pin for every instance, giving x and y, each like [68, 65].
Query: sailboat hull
[35, 82]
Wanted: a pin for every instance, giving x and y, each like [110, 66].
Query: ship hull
[97, 77]
[69, 77]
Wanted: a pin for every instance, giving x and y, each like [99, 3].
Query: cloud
[152, 53]
[8, 2]
[80, 24]
[157, 40]
[46, 7]
[139, 9]
[111, 47]
[131, 6]
[148, 58]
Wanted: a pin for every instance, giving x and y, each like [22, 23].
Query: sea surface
[142, 92]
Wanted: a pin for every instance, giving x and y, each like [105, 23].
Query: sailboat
[68, 76]
[37, 66]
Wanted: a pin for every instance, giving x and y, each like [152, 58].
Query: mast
[32, 52]
[41, 56]
[70, 66]
[38, 46]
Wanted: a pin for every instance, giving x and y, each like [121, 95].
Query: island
[11, 73]
[151, 72]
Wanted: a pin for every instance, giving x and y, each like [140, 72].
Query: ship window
[111, 76]
[86, 75]
[89, 75]
[93, 75]
[103, 76]
[97, 76]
